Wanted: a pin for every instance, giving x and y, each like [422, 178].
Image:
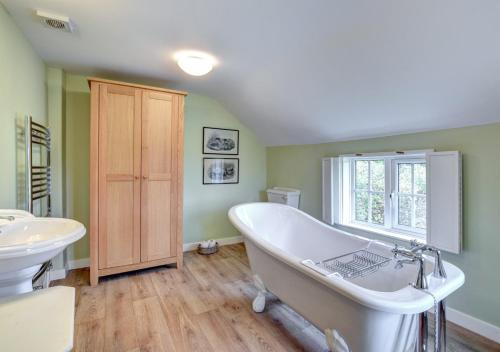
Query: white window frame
[395, 195]
[390, 227]
[443, 197]
[353, 190]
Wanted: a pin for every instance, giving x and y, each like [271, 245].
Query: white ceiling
[297, 71]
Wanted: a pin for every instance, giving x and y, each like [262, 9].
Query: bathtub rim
[407, 300]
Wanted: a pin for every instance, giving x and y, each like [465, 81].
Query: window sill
[385, 233]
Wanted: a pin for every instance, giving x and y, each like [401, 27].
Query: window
[368, 191]
[386, 192]
[406, 195]
[409, 195]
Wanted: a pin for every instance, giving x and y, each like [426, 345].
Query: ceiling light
[195, 63]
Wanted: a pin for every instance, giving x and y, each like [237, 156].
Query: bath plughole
[364, 294]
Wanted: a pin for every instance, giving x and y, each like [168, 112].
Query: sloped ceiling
[297, 71]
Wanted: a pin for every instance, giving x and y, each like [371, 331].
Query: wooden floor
[204, 307]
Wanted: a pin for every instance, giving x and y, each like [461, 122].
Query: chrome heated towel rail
[39, 171]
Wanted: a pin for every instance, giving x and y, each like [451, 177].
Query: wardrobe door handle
[144, 177]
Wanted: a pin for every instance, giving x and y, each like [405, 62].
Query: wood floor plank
[206, 306]
[89, 336]
[173, 321]
[184, 326]
[220, 333]
[152, 330]
[91, 304]
[255, 335]
[164, 282]
[194, 299]
[120, 324]
[142, 286]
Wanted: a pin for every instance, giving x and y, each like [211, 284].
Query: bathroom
[381, 92]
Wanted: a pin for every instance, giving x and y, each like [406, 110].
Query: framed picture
[218, 171]
[221, 141]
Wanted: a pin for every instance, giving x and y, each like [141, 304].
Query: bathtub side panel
[363, 329]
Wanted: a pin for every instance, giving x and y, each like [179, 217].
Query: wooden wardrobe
[136, 150]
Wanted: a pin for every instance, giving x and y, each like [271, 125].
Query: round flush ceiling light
[195, 63]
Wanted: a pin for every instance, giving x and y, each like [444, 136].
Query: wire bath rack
[354, 264]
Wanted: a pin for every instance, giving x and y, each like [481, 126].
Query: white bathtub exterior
[375, 313]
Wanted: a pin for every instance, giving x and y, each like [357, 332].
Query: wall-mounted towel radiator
[38, 166]
[38, 182]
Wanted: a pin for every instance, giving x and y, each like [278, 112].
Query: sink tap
[438, 271]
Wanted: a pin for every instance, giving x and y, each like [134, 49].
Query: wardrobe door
[119, 175]
[159, 189]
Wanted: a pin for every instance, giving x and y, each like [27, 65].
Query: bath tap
[400, 262]
[438, 271]
[7, 217]
[412, 257]
[420, 283]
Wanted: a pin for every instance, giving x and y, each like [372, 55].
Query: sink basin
[15, 213]
[26, 243]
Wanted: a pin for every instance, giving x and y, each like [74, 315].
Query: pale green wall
[76, 158]
[22, 92]
[300, 167]
[205, 207]
[55, 105]
[55, 115]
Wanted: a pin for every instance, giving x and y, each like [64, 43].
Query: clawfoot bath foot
[335, 342]
[259, 302]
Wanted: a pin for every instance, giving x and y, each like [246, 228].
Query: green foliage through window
[373, 180]
[411, 194]
[369, 192]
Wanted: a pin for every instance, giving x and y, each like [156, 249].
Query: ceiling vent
[61, 23]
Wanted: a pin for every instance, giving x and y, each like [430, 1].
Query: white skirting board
[466, 321]
[478, 326]
[57, 274]
[222, 242]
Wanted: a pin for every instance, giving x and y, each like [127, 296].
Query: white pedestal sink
[26, 242]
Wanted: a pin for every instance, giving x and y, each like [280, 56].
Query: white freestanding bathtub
[373, 313]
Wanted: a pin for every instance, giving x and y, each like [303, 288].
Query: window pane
[378, 208]
[404, 178]
[377, 169]
[361, 174]
[420, 177]
[361, 206]
[420, 213]
[404, 210]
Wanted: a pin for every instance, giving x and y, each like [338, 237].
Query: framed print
[221, 141]
[218, 171]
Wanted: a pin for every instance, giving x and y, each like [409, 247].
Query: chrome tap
[412, 258]
[421, 283]
[438, 271]
[7, 217]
